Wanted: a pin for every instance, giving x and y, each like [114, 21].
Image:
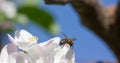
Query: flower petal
[25, 46]
[70, 54]
[61, 53]
[22, 35]
[11, 60]
[8, 59]
[11, 39]
[35, 53]
[20, 57]
[23, 39]
[11, 48]
[55, 40]
[49, 53]
[4, 53]
[8, 49]
[40, 60]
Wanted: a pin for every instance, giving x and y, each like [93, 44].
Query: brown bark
[105, 22]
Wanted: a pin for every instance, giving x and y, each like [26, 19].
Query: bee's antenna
[64, 34]
[74, 39]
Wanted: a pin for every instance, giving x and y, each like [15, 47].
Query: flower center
[33, 39]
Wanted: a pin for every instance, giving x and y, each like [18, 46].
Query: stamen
[33, 39]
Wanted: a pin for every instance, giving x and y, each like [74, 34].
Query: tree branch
[101, 20]
[62, 2]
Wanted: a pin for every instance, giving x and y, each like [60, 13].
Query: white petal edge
[23, 33]
[23, 36]
[55, 40]
[11, 39]
[8, 49]
[4, 53]
[61, 53]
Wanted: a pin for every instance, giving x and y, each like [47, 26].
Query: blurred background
[48, 21]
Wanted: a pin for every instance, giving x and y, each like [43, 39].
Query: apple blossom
[9, 8]
[11, 54]
[23, 39]
[4, 56]
[32, 52]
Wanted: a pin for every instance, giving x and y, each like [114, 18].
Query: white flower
[4, 56]
[45, 52]
[54, 53]
[11, 54]
[23, 39]
[9, 8]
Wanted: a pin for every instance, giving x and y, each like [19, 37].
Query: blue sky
[88, 46]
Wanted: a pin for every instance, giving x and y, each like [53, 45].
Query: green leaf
[31, 2]
[39, 16]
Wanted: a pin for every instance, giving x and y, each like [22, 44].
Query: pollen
[33, 39]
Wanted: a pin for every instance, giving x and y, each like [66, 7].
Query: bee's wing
[55, 40]
[64, 35]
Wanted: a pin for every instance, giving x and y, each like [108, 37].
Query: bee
[67, 40]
